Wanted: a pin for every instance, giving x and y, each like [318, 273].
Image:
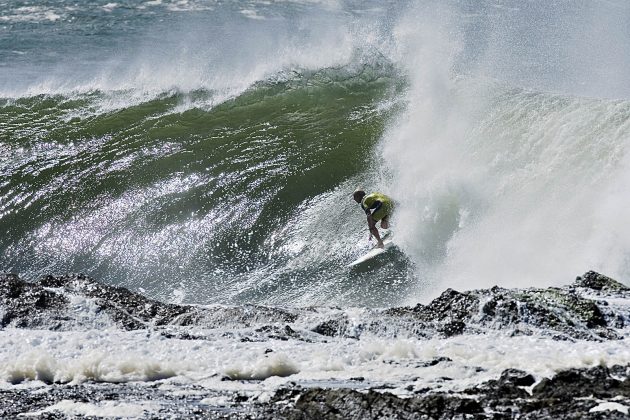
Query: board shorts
[383, 211]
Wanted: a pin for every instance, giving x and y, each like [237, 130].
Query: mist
[510, 157]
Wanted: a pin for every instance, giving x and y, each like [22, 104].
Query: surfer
[377, 206]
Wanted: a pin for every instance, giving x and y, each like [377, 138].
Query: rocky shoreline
[576, 393]
[580, 312]
[595, 393]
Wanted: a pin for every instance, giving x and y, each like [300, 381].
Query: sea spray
[500, 184]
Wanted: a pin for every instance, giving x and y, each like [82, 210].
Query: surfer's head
[358, 195]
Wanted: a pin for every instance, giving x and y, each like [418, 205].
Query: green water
[175, 194]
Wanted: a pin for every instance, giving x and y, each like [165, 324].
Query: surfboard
[372, 253]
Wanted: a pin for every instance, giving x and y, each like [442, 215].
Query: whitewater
[203, 153]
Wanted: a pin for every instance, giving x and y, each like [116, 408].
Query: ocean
[204, 153]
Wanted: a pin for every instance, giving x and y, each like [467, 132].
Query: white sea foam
[31, 14]
[610, 406]
[264, 367]
[252, 14]
[101, 409]
[110, 6]
[116, 356]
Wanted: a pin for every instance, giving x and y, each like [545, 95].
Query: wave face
[205, 152]
[241, 201]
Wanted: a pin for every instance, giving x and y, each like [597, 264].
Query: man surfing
[377, 206]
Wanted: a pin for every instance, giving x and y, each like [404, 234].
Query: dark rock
[501, 307]
[451, 305]
[286, 394]
[516, 377]
[130, 310]
[331, 328]
[575, 383]
[560, 313]
[291, 332]
[452, 328]
[350, 404]
[553, 398]
[435, 361]
[596, 281]
[240, 398]
[45, 304]
[27, 305]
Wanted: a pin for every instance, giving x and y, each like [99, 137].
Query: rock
[502, 398]
[331, 328]
[565, 313]
[46, 304]
[574, 383]
[451, 305]
[129, 310]
[596, 281]
[452, 328]
[350, 404]
[561, 313]
[516, 377]
[27, 305]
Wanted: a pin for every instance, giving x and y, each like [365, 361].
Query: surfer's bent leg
[382, 213]
[374, 231]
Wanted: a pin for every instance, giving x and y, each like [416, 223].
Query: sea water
[204, 152]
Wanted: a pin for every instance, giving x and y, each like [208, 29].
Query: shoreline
[74, 346]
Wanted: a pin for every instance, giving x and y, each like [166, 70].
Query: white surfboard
[372, 253]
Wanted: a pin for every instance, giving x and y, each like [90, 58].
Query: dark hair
[358, 195]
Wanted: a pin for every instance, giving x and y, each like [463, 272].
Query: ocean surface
[205, 152]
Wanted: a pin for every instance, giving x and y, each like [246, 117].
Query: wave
[504, 180]
[248, 200]
[221, 175]
[245, 200]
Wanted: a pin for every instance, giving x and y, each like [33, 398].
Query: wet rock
[569, 394]
[516, 377]
[46, 303]
[596, 381]
[451, 305]
[129, 310]
[350, 404]
[27, 305]
[452, 328]
[434, 362]
[331, 328]
[16, 403]
[280, 333]
[501, 398]
[564, 313]
[596, 281]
